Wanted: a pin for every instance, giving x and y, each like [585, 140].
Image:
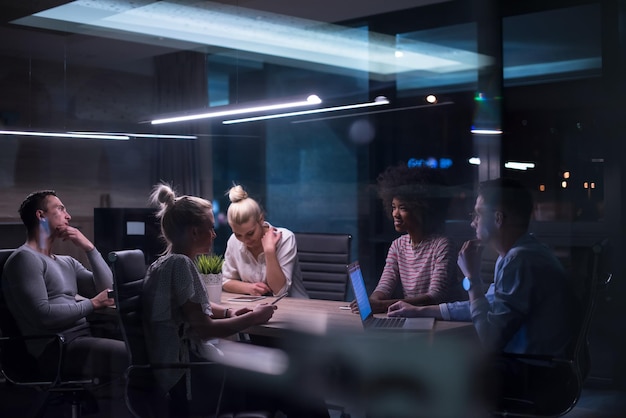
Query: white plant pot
[213, 286]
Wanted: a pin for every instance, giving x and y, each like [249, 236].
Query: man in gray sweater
[40, 289]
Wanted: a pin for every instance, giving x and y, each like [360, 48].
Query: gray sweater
[41, 292]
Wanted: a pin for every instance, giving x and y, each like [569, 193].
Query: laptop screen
[360, 292]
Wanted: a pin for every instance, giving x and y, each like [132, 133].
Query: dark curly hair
[423, 191]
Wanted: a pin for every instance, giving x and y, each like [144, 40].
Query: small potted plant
[210, 263]
[210, 268]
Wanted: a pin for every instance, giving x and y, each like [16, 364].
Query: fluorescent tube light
[380, 100]
[66, 135]
[371, 112]
[487, 131]
[310, 101]
[514, 165]
[135, 135]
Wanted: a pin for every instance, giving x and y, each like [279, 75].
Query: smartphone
[278, 298]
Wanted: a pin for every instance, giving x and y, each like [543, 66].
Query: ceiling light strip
[516, 165]
[310, 101]
[379, 101]
[487, 131]
[137, 135]
[373, 112]
[66, 135]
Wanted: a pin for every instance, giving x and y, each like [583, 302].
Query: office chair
[323, 259]
[558, 398]
[143, 398]
[20, 368]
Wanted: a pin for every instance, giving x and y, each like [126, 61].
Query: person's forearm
[380, 302]
[476, 289]
[378, 296]
[61, 315]
[220, 311]
[274, 273]
[102, 274]
[420, 300]
[431, 311]
[405, 310]
[235, 286]
[222, 328]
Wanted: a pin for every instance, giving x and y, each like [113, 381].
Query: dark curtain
[181, 86]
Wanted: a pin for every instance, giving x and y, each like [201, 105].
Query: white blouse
[240, 264]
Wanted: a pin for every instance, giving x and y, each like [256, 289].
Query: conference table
[309, 316]
[322, 317]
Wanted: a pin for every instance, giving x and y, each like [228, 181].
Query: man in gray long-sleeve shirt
[40, 290]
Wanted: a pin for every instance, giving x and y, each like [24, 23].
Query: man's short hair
[510, 196]
[34, 202]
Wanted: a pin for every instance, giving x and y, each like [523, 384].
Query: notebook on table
[365, 309]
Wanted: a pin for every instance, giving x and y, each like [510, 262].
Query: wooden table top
[320, 317]
[317, 317]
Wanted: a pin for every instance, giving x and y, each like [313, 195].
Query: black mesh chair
[556, 390]
[323, 259]
[20, 368]
[143, 398]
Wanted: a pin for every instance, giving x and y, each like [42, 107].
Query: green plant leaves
[209, 264]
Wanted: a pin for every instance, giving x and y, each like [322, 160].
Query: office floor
[16, 403]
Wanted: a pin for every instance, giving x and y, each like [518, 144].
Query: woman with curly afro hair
[422, 261]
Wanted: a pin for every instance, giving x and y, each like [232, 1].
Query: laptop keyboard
[388, 322]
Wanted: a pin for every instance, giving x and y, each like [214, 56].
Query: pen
[278, 298]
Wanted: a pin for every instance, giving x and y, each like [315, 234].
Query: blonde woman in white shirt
[260, 259]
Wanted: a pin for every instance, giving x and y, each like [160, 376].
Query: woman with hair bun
[178, 317]
[260, 258]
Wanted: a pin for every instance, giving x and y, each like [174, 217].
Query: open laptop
[365, 309]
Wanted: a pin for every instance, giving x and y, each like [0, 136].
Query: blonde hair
[242, 208]
[177, 214]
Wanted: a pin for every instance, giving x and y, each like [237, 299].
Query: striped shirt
[428, 268]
